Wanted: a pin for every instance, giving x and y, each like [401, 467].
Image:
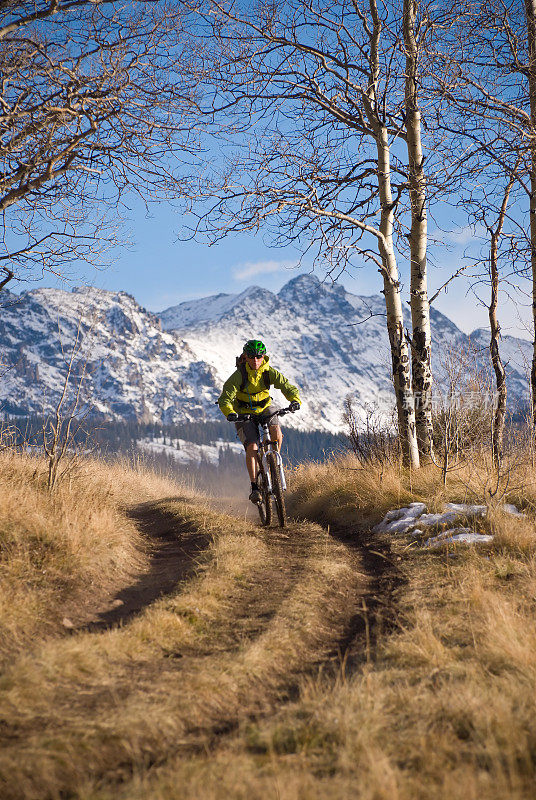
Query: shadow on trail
[378, 615]
[174, 550]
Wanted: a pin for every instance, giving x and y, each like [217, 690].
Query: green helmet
[254, 348]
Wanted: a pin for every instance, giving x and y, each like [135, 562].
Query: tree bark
[498, 367]
[530, 11]
[393, 305]
[9, 275]
[405, 405]
[420, 307]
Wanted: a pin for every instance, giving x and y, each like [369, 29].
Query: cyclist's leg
[276, 435]
[274, 427]
[248, 433]
[251, 460]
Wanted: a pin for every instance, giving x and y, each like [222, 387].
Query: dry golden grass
[231, 686]
[345, 491]
[59, 549]
[445, 709]
[449, 702]
[260, 610]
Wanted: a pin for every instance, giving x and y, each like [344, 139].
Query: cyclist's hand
[294, 406]
[232, 417]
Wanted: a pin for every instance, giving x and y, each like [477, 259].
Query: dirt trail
[297, 600]
[175, 550]
[173, 555]
[378, 613]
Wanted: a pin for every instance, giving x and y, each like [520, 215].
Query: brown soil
[176, 551]
[283, 618]
[173, 550]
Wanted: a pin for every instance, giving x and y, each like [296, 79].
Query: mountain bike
[270, 473]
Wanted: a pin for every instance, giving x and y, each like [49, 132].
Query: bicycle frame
[267, 445]
[271, 475]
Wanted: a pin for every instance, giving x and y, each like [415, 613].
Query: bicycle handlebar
[279, 413]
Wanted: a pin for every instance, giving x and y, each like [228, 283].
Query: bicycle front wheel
[265, 506]
[277, 489]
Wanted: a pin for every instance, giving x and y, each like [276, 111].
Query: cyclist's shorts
[248, 431]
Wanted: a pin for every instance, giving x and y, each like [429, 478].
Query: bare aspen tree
[391, 286]
[94, 103]
[530, 11]
[498, 366]
[487, 74]
[421, 357]
[504, 245]
[308, 96]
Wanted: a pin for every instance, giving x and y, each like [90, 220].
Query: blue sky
[161, 271]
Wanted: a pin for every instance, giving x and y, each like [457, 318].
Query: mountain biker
[247, 392]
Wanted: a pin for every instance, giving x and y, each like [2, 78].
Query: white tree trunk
[530, 10]
[400, 360]
[496, 360]
[393, 304]
[498, 367]
[420, 309]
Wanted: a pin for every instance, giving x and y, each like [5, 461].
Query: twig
[456, 275]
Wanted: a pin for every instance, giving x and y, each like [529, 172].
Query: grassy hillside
[205, 657]
[446, 706]
[64, 551]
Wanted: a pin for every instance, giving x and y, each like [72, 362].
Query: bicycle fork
[279, 462]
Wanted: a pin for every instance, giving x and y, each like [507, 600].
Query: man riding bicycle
[247, 392]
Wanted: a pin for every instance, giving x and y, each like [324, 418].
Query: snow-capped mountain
[171, 366]
[516, 355]
[134, 369]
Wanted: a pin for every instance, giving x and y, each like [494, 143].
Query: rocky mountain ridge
[170, 366]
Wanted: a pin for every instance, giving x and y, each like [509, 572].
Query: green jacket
[256, 397]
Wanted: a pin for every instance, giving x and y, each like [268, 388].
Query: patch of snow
[467, 510]
[458, 536]
[446, 518]
[454, 510]
[508, 508]
[400, 520]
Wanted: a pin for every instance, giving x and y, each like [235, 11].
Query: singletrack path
[226, 622]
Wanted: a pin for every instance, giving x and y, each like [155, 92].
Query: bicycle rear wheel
[277, 489]
[265, 506]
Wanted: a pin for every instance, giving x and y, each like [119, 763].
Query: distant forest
[121, 438]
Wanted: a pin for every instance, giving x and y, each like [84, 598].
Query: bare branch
[444, 285]
[88, 116]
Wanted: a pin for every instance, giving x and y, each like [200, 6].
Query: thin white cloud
[463, 235]
[158, 302]
[250, 269]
